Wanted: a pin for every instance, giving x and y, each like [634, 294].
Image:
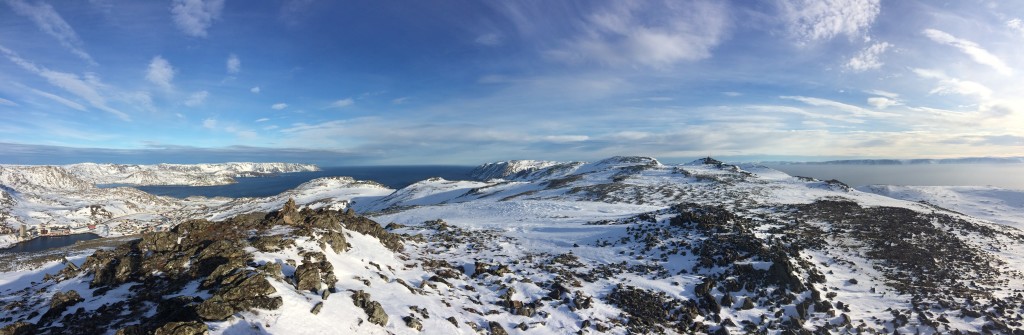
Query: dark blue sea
[392, 176]
[48, 242]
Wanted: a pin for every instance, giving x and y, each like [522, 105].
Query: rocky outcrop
[374, 311]
[182, 328]
[214, 255]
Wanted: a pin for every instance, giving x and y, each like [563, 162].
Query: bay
[391, 176]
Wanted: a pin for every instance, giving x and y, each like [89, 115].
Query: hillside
[622, 245]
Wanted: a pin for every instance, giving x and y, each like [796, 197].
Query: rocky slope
[622, 245]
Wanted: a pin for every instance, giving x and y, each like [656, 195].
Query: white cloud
[882, 93]
[732, 94]
[234, 64]
[194, 17]
[812, 20]
[651, 34]
[59, 99]
[51, 23]
[197, 98]
[1016, 25]
[342, 103]
[869, 58]
[255, 90]
[210, 123]
[279, 106]
[6, 102]
[399, 101]
[262, 120]
[160, 72]
[949, 85]
[86, 87]
[883, 102]
[835, 105]
[565, 138]
[976, 52]
[490, 39]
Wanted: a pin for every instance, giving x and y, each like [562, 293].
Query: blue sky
[465, 82]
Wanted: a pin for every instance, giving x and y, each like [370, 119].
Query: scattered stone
[496, 328]
[373, 309]
[183, 328]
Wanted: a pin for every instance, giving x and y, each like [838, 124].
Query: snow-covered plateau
[622, 245]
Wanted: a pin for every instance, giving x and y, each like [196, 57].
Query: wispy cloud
[813, 20]
[160, 72]
[263, 119]
[59, 99]
[650, 34]
[194, 17]
[342, 103]
[1016, 25]
[950, 85]
[883, 102]
[972, 49]
[210, 123]
[197, 98]
[399, 101]
[51, 23]
[234, 64]
[489, 39]
[255, 90]
[85, 87]
[279, 106]
[882, 93]
[869, 58]
[6, 102]
[838, 106]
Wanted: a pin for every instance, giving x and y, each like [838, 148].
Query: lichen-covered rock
[183, 328]
[413, 322]
[18, 328]
[374, 311]
[241, 291]
[59, 303]
[307, 277]
[496, 328]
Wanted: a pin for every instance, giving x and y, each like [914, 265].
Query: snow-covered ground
[582, 244]
[999, 205]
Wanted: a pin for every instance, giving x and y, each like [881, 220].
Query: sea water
[391, 176]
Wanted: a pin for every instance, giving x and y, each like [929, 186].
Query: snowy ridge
[522, 170]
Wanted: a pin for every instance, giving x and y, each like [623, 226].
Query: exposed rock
[317, 307]
[496, 328]
[307, 277]
[59, 303]
[183, 328]
[374, 311]
[413, 322]
[240, 291]
[18, 328]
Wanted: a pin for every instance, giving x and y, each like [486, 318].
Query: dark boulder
[374, 311]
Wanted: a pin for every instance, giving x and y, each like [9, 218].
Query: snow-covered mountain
[179, 174]
[622, 245]
[64, 199]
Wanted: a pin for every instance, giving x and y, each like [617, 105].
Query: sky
[467, 82]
